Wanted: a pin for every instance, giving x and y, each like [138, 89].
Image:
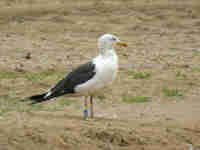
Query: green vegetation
[4, 110]
[19, 19]
[49, 75]
[38, 76]
[8, 75]
[52, 108]
[20, 49]
[8, 103]
[37, 106]
[139, 75]
[196, 69]
[172, 92]
[65, 102]
[78, 106]
[135, 99]
[100, 99]
[180, 76]
[32, 77]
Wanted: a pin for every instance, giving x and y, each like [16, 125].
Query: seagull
[89, 78]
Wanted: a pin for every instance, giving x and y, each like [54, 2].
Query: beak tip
[123, 44]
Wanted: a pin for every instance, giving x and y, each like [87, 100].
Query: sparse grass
[8, 103]
[5, 101]
[78, 106]
[37, 106]
[20, 49]
[64, 102]
[196, 69]
[180, 76]
[4, 110]
[8, 75]
[172, 92]
[7, 98]
[52, 108]
[23, 10]
[101, 99]
[48, 75]
[139, 75]
[32, 77]
[138, 99]
[19, 19]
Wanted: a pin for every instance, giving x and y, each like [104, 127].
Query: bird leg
[86, 108]
[91, 107]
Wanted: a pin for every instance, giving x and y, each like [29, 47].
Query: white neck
[107, 52]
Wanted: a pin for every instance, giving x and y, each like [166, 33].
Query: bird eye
[114, 39]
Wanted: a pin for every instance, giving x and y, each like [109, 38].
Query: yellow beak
[122, 44]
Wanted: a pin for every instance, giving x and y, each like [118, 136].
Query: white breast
[106, 68]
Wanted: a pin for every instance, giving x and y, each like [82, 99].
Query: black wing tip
[37, 98]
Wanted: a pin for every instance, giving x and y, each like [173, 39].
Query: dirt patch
[69, 132]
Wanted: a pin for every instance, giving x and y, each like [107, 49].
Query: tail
[38, 98]
[43, 97]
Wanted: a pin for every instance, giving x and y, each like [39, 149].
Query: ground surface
[154, 103]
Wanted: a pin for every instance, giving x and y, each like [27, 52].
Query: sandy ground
[41, 41]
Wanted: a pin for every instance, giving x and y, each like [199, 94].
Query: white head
[107, 42]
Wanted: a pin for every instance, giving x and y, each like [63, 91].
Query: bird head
[108, 41]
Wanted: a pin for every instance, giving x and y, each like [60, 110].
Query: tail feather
[38, 98]
[42, 97]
